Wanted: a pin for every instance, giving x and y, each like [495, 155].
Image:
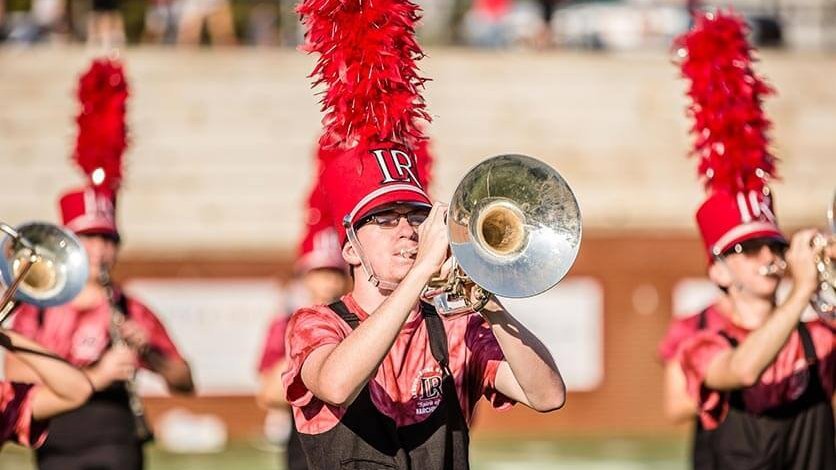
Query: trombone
[41, 264]
[515, 231]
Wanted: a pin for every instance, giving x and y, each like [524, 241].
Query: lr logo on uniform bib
[427, 391]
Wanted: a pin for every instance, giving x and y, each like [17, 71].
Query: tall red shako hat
[100, 145]
[373, 107]
[730, 130]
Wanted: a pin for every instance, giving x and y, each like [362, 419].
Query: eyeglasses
[390, 219]
[753, 247]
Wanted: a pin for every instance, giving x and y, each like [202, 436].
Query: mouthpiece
[776, 268]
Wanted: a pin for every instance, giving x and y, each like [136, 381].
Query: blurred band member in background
[101, 330]
[25, 408]
[103, 433]
[320, 278]
[761, 379]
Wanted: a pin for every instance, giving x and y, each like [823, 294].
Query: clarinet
[117, 318]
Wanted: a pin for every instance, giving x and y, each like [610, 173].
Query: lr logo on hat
[401, 162]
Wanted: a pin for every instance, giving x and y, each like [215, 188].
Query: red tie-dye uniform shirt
[16, 421]
[681, 329]
[783, 381]
[274, 347]
[82, 336]
[407, 383]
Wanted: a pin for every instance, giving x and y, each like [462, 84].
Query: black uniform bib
[795, 436]
[294, 458]
[99, 435]
[702, 437]
[365, 438]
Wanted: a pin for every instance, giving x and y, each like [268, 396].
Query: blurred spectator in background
[263, 22]
[545, 37]
[50, 18]
[289, 29]
[216, 14]
[30, 21]
[2, 20]
[485, 23]
[105, 26]
[160, 22]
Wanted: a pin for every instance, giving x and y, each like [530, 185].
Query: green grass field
[493, 454]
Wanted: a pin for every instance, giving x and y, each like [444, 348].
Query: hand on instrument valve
[830, 246]
[433, 241]
[118, 363]
[801, 258]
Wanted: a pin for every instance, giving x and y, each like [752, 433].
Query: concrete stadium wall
[220, 162]
[222, 139]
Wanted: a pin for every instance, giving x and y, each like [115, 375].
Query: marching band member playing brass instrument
[101, 330]
[379, 379]
[25, 408]
[758, 378]
[44, 264]
[320, 277]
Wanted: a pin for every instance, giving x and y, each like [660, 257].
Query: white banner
[219, 326]
[569, 320]
[691, 295]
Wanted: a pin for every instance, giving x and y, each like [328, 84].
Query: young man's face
[101, 252]
[746, 263]
[389, 239]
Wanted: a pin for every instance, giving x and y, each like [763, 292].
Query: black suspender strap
[438, 337]
[735, 396]
[435, 330]
[340, 309]
[728, 338]
[122, 304]
[702, 321]
[807, 342]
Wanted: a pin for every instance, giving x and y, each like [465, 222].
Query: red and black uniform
[274, 352]
[785, 421]
[16, 421]
[414, 413]
[101, 433]
[679, 331]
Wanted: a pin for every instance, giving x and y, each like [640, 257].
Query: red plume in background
[102, 133]
[730, 127]
[425, 162]
[367, 60]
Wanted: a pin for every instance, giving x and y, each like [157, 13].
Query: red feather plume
[102, 133]
[730, 127]
[367, 60]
